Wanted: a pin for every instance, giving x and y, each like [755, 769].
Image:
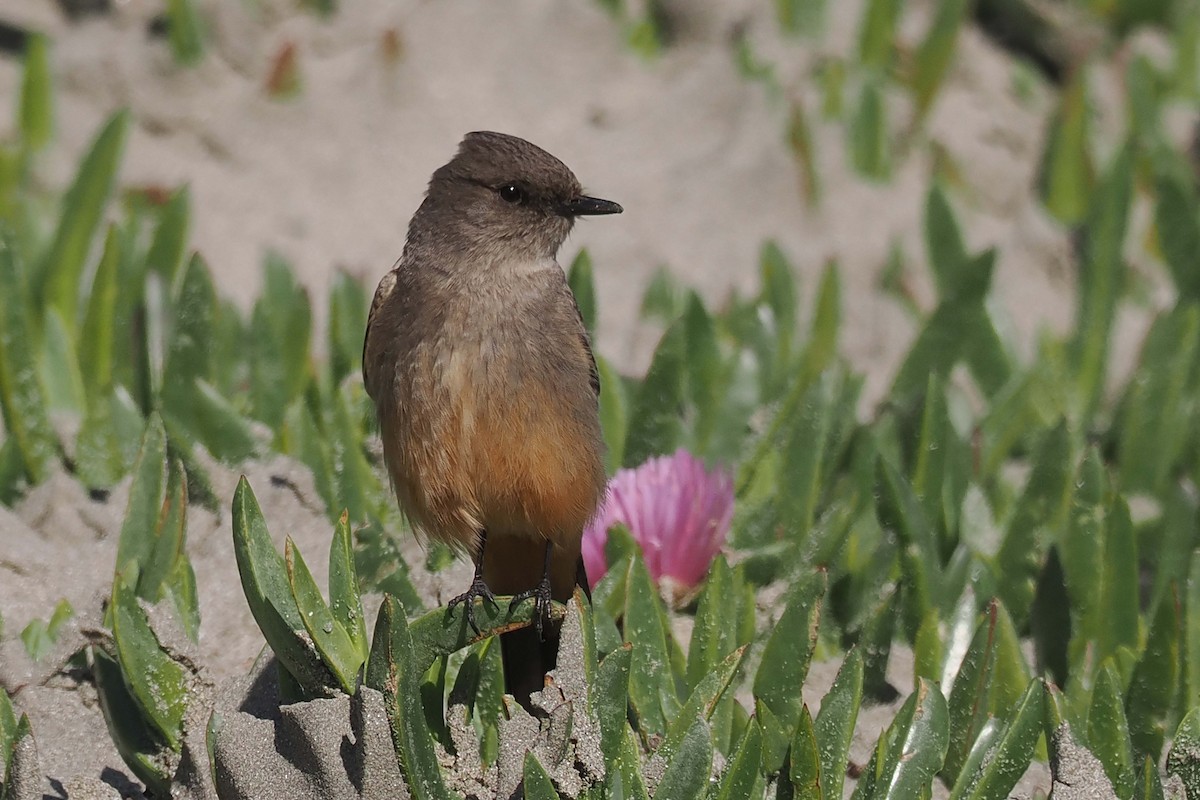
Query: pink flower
[678, 512]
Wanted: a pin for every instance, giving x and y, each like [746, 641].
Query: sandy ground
[329, 178]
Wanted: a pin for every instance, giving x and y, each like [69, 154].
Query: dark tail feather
[526, 659]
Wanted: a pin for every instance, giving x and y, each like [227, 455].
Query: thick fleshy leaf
[1121, 583]
[146, 496]
[184, 32]
[1178, 221]
[269, 595]
[1066, 170]
[609, 697]
[1149, 785]
[650, 674]
[394, 665]
[1155, 679]
[834, 726]
[170, 237]
[348, 304]
[877, 31]
[583, 286]
[1041, 506]
[281, 328]
[804, 762]
[189, 353]
[870, 138]
[344, 599]
[1082, 554]
[1158, 410]
[1102, 276]
[712, 632]
[339, 652]
[705, 371]
[970, 695]
[170, 531]
[1108, 731]
[22, 398]
[58, 366]
[140, 748]
[1191, 641]
[82, 209]
[536, 781]
[96, 340]
[1184, 758]
[876, 644]
[655, 423]
[822, 345]
[802, 17]
[788, 651]
[614, 403]
[800, 473]
[1050, 620]
[688, 771]
[936, 52]
[107, 446]
[220, 427]
[911, 750]
[157, 684]
[1003, 751]
[743, 770]
[701, 703]
[36, 116]
[900, 512]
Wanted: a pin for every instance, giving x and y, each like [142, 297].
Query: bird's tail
[527, 658]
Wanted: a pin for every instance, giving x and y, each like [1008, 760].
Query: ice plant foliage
[678, 511]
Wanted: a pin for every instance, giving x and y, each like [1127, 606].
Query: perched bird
[484, 382]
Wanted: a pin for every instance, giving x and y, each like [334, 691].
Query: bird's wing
[382, 292]
[586, 340]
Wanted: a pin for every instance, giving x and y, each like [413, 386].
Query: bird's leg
[540, 595]
[477, 589]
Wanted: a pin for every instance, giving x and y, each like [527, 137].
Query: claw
[541, 603]
[477, 589]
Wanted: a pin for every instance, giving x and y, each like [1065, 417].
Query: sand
[695, 153]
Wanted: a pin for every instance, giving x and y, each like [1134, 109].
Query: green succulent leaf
[58, 278]
[1108, 731]
[140, 748]
[394, 660]
[1003, 751]
[788, 652]
[157, 684]
[170, 236]
[146, 495]
[22, 398]
[268, 592]
[345, 602]
[339, 652]
[834, 726]
[742, 773]
[36, 115]
[536, 783]
[688, 770]
[655, 424]
[1184, 757]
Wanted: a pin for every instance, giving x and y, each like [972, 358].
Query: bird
[485, 386]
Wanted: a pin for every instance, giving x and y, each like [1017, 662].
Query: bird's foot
[477, 589]
[541, 603]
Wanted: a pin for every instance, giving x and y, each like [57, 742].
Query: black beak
[584, 206]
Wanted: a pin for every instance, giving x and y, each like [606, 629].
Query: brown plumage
[484, 382]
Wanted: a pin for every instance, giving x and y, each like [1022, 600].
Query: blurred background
[310, 129]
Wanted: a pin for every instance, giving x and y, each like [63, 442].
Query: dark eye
[511, 193]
